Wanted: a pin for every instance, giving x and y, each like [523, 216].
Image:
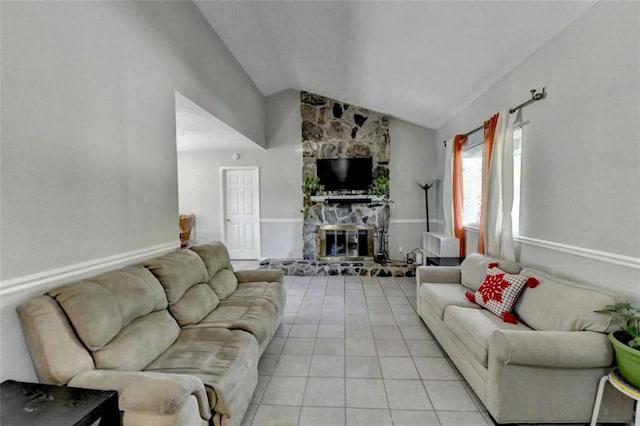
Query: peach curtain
[458, 225]
[489, 135]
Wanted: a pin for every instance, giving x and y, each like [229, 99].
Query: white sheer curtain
[447, 188]
[499, 228]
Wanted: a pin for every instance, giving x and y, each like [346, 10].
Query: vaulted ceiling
[421, 61]
[199, 130]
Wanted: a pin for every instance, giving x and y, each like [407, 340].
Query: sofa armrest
[157, 393]
[556, 349]
[438, 274]
[260, 275]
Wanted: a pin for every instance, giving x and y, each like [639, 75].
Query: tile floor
[353, 351]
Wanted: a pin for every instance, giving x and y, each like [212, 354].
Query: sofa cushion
[139, 343]
[474, 266]
[56, 352]
[500, 291]
[224, 283]
[562, 305]
[177, 272]
[437, 297]
[225, 360]
[473, 327]
[257, 319]
[273, 293]
[100, 307]
[195, 304]
[220, 272]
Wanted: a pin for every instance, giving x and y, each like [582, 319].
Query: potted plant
[310, 187]
[379, 186]
[626, 341]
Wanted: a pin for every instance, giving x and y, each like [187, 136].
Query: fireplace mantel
[346, 199]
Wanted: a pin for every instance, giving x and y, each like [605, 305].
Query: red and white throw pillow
[499, 292]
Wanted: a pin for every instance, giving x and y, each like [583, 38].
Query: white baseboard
[82, 270]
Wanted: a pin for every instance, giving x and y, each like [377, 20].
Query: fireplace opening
[346, 242]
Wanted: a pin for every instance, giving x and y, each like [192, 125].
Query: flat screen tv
[345, 173]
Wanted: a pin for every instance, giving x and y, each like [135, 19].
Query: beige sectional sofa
[545, 368]
[179, 337]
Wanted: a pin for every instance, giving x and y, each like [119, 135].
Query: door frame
[223, 203]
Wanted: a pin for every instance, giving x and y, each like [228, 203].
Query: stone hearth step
[303, 267]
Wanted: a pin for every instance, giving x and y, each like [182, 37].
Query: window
[472, 179]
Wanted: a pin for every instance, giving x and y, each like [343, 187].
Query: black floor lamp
[426, 188]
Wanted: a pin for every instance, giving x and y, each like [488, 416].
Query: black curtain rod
[470, 132]
[535, 96]
[477, 129]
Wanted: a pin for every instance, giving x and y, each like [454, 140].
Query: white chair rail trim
[603, 256]
[83, 269]
[599, 255]
[394, 221]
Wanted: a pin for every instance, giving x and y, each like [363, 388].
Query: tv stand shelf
[345, 199]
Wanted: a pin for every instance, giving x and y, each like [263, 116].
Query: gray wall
[88, 135]
[280, 182]
[88, 165]
[581, 149]
[413, 159]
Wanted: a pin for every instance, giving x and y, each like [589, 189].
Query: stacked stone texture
[334, 129]
[363, 269]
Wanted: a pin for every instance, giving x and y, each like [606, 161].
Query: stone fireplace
[373, 216]
[332, 130]
[345, 242]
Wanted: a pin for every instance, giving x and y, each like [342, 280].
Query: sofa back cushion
[100, 307]
[139, 344]
[195, 304]
[183, 276]
[57, 354]
[562, 305]
[220, 272]
[177, 272]
[120, 309]
[474, 269]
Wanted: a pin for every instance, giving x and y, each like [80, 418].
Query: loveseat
[179, 337]
[543, 369]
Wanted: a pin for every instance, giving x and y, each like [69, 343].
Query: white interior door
[241, 211]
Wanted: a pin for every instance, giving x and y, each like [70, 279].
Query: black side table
[23, 404]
